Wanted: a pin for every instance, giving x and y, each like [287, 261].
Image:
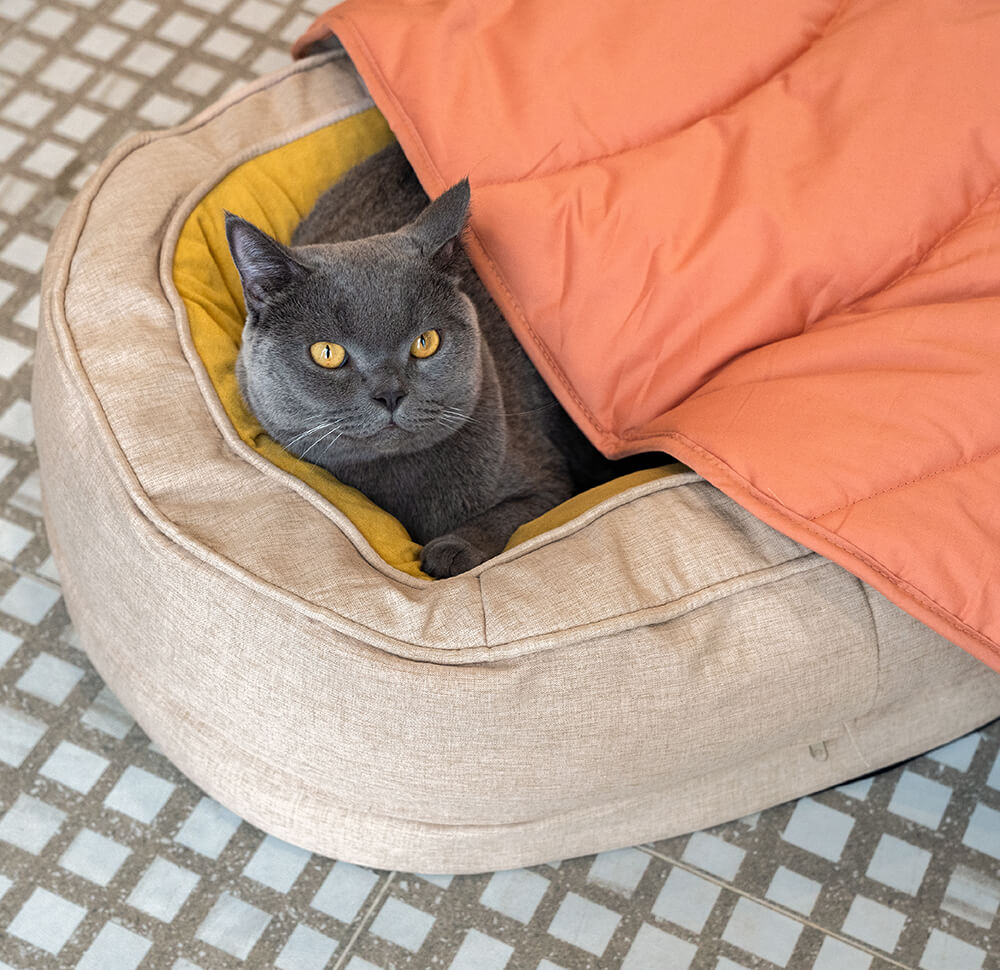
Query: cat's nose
[390, 397]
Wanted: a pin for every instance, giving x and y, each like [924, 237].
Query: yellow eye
[327, 354]
[426, 344]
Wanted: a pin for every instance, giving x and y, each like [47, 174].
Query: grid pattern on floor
[112, 860]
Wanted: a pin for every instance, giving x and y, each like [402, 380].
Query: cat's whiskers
[333, 430]
[318, 427]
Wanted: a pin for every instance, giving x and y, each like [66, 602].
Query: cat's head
[362, 349]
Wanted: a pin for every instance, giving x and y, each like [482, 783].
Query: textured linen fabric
[760, 239]
[659, 663]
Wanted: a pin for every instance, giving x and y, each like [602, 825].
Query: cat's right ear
[266, 267]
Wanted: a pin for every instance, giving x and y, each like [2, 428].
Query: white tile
[277, 864]
[134, 13]
[94, 857]
[515, 893]
[402, 924]
[79, 123]
[270, 59]
[102, 42]
[50, 678]
[13, 537]
[686, 899]
[652, 948]
[16, 10]
[6, 289]
[763, 932]
[25, 252]
[227, 44]
[9, 645]
[958, 754]
[857, 790]
[972, 895]
[107, 715]
[47, 921]
[163, 889]
[115, 948]
[837, 955]
[584, 924]
[714, 855]
[873, 923]
[256, 15]
[481, 952]
[27, 109]
[818, 829]
[789, 888]
[306, 949]
[945, 952]
[164, 111]
[113, 90]
[344, 891]
[30, 823]
[20, 55]
[75, 767]
[139, 794]
[920, 799]
[899, 864]
[208, 828]
[19, 733]
[15, 194]
[65, 74]
[994, 778]
[197, 78]
[148, 58]
[620, 871]
[50, 22]
[49, 158]
[181, 29]
[233, 926]
[27, 316]
[13, 354]
[983, 831]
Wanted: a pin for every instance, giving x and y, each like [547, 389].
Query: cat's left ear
[266, 267]
[437, 228]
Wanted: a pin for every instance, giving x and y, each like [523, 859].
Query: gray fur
[477, 444]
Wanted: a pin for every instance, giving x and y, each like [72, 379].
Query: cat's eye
[426, 344]
[328, 355]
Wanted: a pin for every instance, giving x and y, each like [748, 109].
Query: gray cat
[372, 349]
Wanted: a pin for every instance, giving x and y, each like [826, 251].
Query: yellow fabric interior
[275, 191]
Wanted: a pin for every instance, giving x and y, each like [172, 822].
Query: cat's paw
[450, 555]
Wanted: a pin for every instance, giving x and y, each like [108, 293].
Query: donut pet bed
[648, 659]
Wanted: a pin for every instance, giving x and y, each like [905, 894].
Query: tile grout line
[380, 895]
[774, 907]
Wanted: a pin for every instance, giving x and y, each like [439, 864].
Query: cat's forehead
[372, 289]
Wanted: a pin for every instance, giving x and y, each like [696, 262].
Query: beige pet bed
[647, 661]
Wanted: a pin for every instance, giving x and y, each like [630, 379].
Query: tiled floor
[111, 860]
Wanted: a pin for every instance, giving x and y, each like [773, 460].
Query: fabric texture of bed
[661, 662]
[789, 211]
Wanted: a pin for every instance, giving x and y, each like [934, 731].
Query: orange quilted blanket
[762, 237]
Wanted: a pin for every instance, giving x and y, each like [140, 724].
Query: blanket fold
[762, 238]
